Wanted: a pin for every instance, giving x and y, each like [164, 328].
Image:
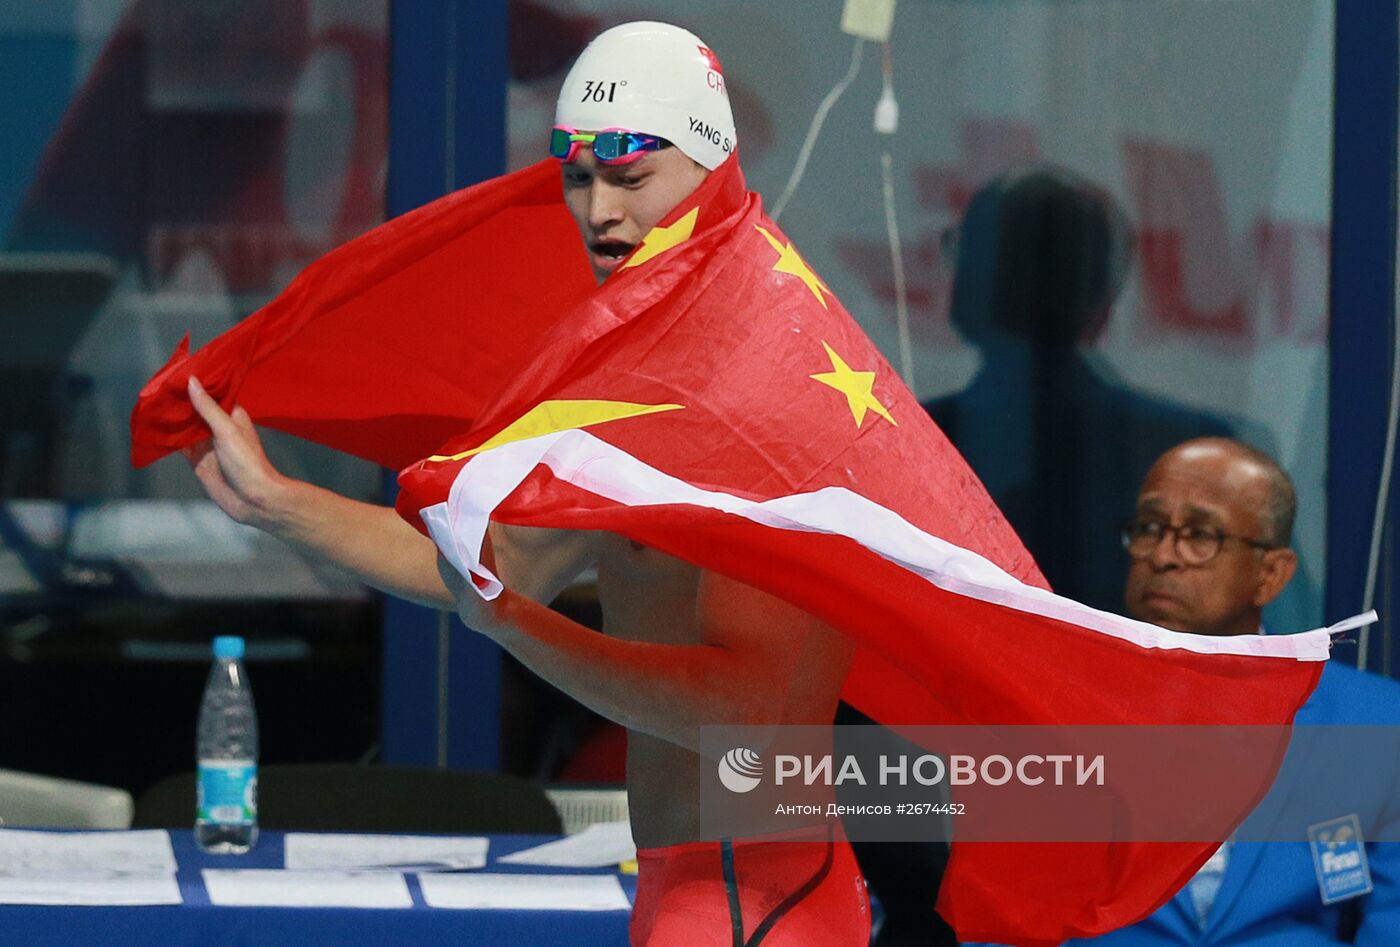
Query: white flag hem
[458, 526]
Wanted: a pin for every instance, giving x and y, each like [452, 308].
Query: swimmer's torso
[649, 596]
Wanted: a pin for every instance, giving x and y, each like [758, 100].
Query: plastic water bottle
[226, 807]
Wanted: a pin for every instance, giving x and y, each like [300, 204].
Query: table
[197, 923]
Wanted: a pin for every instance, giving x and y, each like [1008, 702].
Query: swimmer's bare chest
[646, 595]
[649, 596]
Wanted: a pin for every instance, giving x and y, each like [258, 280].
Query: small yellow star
[855, 386]
[661, 239]
[791, 263]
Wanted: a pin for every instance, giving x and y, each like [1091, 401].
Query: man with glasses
[1208, 549]
[1209, 542]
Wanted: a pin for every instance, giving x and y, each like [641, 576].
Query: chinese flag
[376, 349]
[713, 400]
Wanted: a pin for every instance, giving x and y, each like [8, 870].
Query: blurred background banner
[172, 166]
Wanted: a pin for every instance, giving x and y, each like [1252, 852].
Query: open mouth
[607, 254]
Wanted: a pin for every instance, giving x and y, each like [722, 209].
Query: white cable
[1382, 496]
[444, 681]
[901, 293]
[1387, 466]
[815, 129]
[887, 123]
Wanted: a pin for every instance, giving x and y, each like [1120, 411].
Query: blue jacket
[1269, 895]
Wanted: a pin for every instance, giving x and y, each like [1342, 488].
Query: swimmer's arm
[371, 542]
[742, 672]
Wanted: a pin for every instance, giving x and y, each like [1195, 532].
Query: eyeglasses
[1194, 545]
[610, 146]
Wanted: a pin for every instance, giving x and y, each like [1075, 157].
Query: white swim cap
[653, 78]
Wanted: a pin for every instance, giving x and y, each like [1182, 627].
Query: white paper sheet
[107, 892]
[273, 887]
[383, 852]
[607, 843]
[27, 855]
[87, 868]
[525, 892]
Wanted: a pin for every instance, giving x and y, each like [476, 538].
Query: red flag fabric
[713, 400]
[375, 349]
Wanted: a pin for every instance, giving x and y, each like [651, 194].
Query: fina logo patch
[740, 769]
[1339, 856]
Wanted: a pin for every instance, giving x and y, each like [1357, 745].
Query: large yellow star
[660, 239]
[549, 417]
[855, 386]
[790, 262]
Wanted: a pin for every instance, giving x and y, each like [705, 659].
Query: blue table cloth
[197, 922]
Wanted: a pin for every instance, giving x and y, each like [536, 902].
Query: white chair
[580, 808]
[31, 801]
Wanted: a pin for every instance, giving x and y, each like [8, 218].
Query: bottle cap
[228, 646]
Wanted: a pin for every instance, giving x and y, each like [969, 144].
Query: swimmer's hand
[232, 466]
[476, 613]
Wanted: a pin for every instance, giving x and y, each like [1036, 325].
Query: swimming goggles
[610, 146]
